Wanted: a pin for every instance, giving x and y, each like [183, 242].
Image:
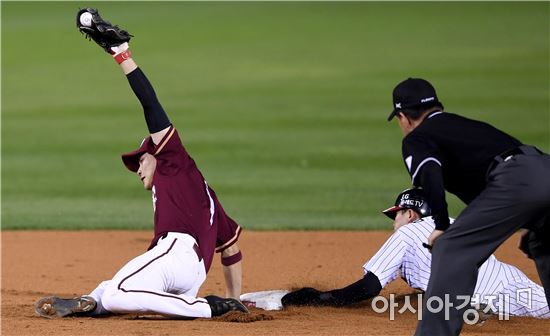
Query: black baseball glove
[102, 32]
[306, 296]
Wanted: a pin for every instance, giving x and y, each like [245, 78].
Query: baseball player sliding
[403, 255]
[190, 223]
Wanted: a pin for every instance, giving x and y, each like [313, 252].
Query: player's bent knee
[109, 300]
[116, 301]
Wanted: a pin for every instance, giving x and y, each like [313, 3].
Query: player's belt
[195, 245]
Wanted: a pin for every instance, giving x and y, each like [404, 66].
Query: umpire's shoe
[52, 306]
[220, 306]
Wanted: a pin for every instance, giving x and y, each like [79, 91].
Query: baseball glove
[102, 32]
[306, 296]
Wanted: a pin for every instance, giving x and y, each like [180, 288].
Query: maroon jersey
[183, 201]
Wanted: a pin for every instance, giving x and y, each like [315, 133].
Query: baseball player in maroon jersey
[190, 222]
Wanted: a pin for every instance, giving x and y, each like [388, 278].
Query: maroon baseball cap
[131, 160]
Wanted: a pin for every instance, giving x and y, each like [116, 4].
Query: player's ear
[413, 215]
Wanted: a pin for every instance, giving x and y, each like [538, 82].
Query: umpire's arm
[431, 181]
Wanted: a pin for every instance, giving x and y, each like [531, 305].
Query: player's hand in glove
[106, 35]
[306, 296]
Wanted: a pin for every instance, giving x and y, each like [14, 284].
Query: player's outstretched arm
[155, 117]
[128, 66]
[114, 40]
[232, 272]
[367, 287]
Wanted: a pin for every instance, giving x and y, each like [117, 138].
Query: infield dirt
[69, 263]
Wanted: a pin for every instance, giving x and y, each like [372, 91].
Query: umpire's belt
[507, 155]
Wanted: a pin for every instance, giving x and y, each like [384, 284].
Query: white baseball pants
[164, 280]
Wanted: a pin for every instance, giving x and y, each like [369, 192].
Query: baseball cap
[413, 199]
[412, 92]
[131, 160]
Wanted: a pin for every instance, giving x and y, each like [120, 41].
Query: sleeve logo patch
[408, 162]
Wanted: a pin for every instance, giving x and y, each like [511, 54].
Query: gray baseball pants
[517, 196]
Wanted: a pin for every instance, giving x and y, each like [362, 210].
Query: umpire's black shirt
[453, 153]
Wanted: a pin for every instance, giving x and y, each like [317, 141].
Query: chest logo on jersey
[154, 198]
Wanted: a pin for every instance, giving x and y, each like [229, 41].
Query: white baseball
[86, 19]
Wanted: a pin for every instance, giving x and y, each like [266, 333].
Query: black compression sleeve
[431, 180]
[155, 117]
[369, 286]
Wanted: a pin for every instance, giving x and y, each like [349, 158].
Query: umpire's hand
[433, 236]
[524, 243]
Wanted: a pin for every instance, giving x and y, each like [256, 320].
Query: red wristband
[123, 56]
[228, 261]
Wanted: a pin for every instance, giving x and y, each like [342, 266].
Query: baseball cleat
[52, 306]
[220, 306]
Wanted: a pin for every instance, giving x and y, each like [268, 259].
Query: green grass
[282, 105]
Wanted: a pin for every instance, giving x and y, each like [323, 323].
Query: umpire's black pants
[517, 195]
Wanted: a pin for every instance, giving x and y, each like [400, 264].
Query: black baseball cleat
[52, 306]
[220, 306]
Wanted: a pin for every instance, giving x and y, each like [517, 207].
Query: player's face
[401, 218]
[147, 166]
[404, 217]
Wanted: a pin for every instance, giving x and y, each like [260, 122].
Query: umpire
[505, 184]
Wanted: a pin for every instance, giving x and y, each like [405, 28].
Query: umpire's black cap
[413, 92]
[413, 199]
